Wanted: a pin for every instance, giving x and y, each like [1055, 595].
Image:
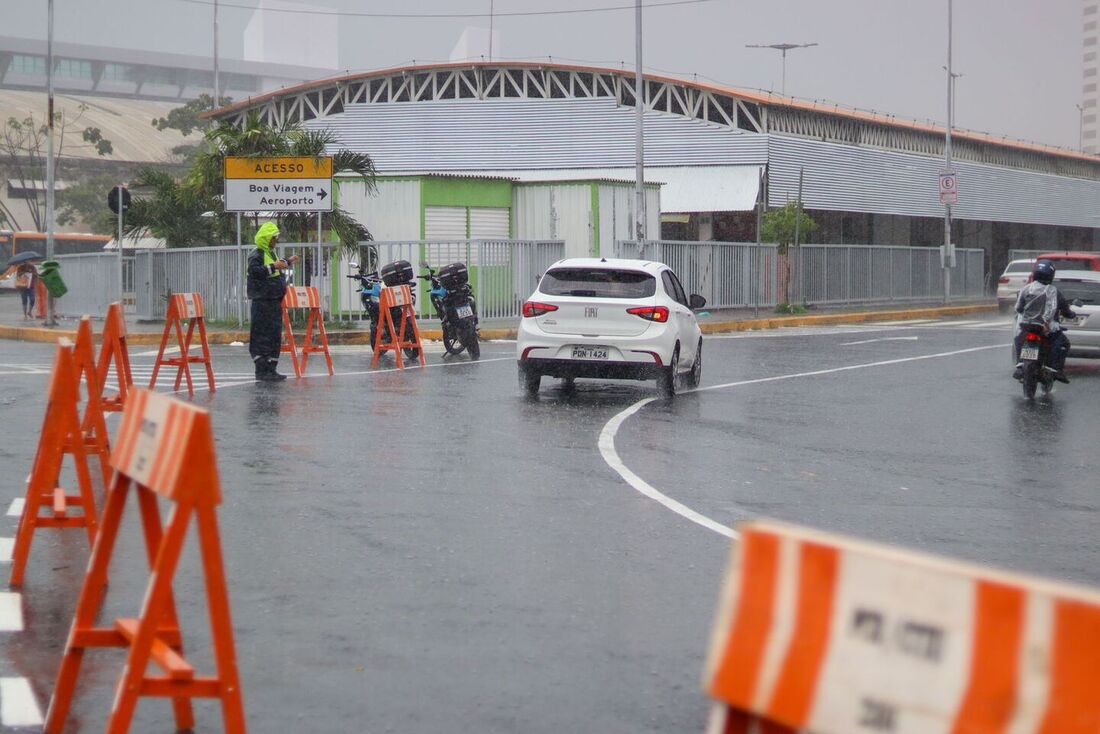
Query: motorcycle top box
[397, 273]
[454, 276]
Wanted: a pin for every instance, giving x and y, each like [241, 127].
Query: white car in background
[1081, 287]
[1015, 277]
[618, 319]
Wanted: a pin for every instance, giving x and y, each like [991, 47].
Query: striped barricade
[395, 337]
[828, 635]
[48, 505]
[114, 353]
[298, 297]
[184, 307]
[164, 451]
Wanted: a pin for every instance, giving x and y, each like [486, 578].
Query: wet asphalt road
[429, 551]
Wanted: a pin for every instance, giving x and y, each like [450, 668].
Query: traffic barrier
[183, 306]
[825, 634]
[93, 426]
[305, 297]
[390, 336]
[165, 449]
[61, 434]
[114, 352]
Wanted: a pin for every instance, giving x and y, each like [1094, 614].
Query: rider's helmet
[1043, 272]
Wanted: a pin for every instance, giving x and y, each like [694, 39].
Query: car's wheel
[692, 379]
[529, 380]
[568, 383]
[666, 382]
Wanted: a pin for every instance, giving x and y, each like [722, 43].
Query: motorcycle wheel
[1031, 379]
[469, 338]
[373, 335]
[451, 341]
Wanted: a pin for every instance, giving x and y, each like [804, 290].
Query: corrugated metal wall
[392, 214]
[617, 215]
[477, 135]
[850, 178]
[558, 212]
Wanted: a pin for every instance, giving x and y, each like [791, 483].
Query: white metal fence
[93, 283]
[503, 274]
[732, 275]
[727, 274]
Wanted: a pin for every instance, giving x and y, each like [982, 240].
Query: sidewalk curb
[146, 338]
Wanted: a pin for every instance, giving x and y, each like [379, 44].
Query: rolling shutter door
[489, 224]
[445, 223]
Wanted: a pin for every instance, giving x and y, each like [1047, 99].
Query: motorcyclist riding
[1037, 307]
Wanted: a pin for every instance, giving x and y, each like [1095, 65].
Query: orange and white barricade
[94, 424]
[61, 435]
[114, 353]
[830, 635]
[305, 297]
[184, 307]
[164, 449]
[396, 337]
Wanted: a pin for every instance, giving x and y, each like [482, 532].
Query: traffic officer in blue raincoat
[266, 288]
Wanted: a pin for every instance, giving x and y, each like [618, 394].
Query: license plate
[589, 352]
[464, 312]
[1029, 353]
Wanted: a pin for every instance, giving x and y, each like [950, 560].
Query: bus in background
[64, 243]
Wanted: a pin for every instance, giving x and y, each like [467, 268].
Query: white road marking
[11, 611]
[155, 352]
[7, 545]
[611, 428]
[18, 706]
[882, 339]
[16, 508]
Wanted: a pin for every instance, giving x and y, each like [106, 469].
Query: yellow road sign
[245, 168]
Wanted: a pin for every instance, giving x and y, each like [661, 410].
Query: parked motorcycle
[454, 304]
[370, 294]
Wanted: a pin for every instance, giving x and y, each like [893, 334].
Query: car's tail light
[650, 313]
[1004, 280]
[534, 308]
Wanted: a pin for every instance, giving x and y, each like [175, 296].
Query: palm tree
[205, 183]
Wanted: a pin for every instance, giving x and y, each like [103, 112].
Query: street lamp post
[948, 247]
[639, 138]
[1080, 127]
[783, 48]
[217, 86]
[50, 167]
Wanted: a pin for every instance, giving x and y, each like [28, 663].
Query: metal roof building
[710, 146]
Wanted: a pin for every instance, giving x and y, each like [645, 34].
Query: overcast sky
[1020, 59]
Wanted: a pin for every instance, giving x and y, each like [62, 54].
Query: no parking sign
[949, 192]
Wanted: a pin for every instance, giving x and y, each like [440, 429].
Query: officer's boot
[261, 367]
[272, 375]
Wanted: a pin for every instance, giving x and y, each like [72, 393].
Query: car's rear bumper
[590, 368]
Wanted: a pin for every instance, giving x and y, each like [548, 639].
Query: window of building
[1090, 40]
[1091, 9]
[116, 73]
[1090, 133]
[74, 69]
[1090, 26]
[24, 64]
[1090, 56]
[1090, 72]
[158, 75]
[1090, 118]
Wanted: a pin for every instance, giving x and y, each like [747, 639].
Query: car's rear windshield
[598, 283]
[1073, 263]
[1019, 268]
[1087, 291]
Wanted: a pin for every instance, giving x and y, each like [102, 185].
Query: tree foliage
[174, 204]
[780, 225]
[85, 201]
[23, 154]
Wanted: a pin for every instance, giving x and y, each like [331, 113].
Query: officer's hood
[267, 232]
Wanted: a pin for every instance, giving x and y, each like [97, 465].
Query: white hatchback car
[618, 319]
[1082, 289]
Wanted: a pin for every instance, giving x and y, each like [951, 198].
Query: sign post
[278, 185]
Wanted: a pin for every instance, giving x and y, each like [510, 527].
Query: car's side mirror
[696, 302]
[1077, 303]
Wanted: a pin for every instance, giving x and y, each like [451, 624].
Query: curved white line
[611, 428]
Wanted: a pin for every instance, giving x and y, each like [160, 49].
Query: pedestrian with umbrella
[26, 279]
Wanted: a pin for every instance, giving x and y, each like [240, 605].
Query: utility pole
[217, 86]
[1080, 127]
[948, 247]
[491, 30]
[782, 48]
[50, 172]
[639, 139]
